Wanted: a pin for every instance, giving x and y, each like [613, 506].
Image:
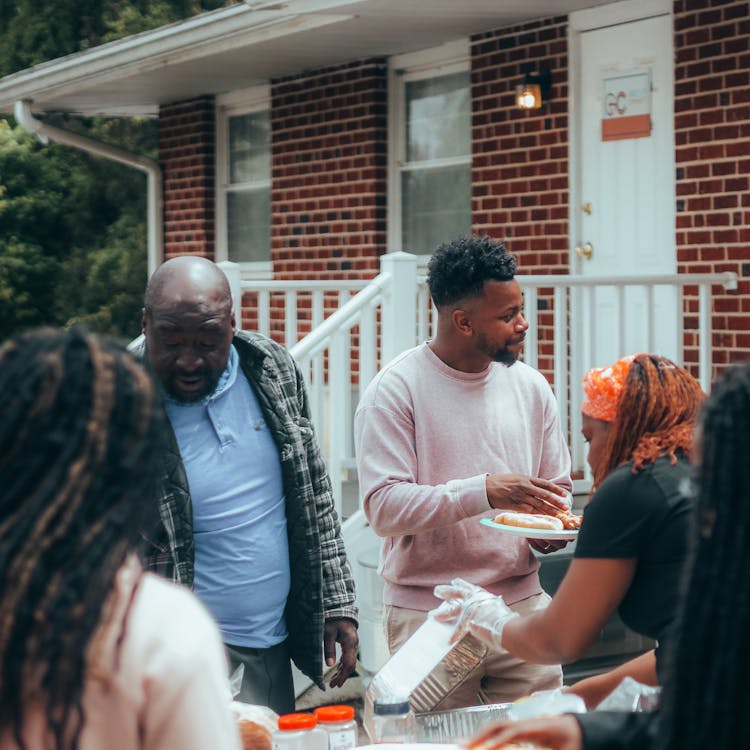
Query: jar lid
[289, 722]
[381, 708]
[334, 713]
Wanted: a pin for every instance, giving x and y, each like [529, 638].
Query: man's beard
[193, 398]
[506, 357]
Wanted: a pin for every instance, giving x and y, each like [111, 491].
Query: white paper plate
[526, 533]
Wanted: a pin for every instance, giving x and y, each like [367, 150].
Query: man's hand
[525, 494]
[343, 631]
[545, 546]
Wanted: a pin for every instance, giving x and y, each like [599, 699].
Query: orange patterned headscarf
[603, 387]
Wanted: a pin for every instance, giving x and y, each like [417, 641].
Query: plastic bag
[235, 680]
[546, 703]
[631, 695]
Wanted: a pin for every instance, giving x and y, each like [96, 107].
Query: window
[430, 175]
[244, 181]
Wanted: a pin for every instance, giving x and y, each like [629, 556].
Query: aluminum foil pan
[425, 670]
[459, 723]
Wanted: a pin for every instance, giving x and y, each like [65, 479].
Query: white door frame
[580, 21]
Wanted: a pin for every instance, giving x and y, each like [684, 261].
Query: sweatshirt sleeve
[187, 697]
[394, 501]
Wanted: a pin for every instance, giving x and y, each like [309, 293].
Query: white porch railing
[376, 320]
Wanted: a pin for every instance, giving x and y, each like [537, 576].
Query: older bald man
[246, 505]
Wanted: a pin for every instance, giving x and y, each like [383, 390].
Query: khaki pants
[500, 678]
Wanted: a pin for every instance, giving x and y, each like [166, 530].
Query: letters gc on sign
[626, 106]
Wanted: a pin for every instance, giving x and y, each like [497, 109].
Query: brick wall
[520, 158]
[186, 155]
[329, 134]
[712, 136]
[329, 170]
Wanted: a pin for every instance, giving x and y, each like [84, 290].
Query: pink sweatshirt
[426, 436]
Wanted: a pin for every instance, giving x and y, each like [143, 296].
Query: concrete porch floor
[351, 693]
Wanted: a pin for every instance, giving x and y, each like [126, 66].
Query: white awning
[250, 43]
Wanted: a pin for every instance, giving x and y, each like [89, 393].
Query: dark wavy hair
[655, 416]
[81, 430]
[459, 269]
[706, 700]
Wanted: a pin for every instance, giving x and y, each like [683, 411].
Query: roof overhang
[251, 43]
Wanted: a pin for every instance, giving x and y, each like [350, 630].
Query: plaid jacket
[322, 585]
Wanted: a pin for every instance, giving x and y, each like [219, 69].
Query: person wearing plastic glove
[639, 418]
[705, 691]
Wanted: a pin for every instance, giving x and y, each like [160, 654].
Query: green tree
[72, 226]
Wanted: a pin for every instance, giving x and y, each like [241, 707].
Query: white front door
[626, 219]
[623, 185]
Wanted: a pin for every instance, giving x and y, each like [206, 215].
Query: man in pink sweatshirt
[448, 433]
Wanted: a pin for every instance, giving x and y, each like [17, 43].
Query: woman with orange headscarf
[638, 418]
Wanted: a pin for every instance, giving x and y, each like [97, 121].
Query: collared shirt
[322, 585]
[239, 519]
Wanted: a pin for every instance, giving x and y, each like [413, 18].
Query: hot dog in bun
[529, 521]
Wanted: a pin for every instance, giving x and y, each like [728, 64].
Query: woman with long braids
[638, 418]
[706, 699]
[84, 657]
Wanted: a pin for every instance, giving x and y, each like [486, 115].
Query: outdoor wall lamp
[534, 89]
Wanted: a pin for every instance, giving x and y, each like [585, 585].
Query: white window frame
[452, 57]
[243, 102]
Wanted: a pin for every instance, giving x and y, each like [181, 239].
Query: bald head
[188, 325]
[188, 279]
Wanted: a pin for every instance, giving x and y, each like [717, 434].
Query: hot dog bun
[529, 520]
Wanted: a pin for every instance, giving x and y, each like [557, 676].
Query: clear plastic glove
[474, 610]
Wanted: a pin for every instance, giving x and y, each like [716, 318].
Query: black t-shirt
[643, 516]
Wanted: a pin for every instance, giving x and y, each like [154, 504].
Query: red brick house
[307, 140]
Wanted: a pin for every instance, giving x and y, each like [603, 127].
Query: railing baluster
[704, 336]
[318, 376]
[338, 380]
[367, 347]
[290, 319]
[264, 312]
[531, 345]
[621, 321]
[561, 352]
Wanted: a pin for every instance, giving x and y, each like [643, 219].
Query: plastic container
[393, 722]
[339, 724]
[425, 670]
[299, 732]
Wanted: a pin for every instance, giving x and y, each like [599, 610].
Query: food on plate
[521, 746]
[569, 520]
[529, 520]
[256, 723]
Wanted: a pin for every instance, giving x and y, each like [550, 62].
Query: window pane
[249, 147]
[436, 206]
[438, 117]
[249, 225]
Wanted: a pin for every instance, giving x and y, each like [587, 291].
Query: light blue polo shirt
[239, 518]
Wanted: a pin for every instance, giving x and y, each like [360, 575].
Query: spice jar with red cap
[299, 731]
[339, 724]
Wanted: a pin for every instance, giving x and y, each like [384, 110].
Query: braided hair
[79, 436]
[706, 701]
[655, 415]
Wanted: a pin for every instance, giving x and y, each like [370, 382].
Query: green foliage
[72, 244]
[73, 227]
